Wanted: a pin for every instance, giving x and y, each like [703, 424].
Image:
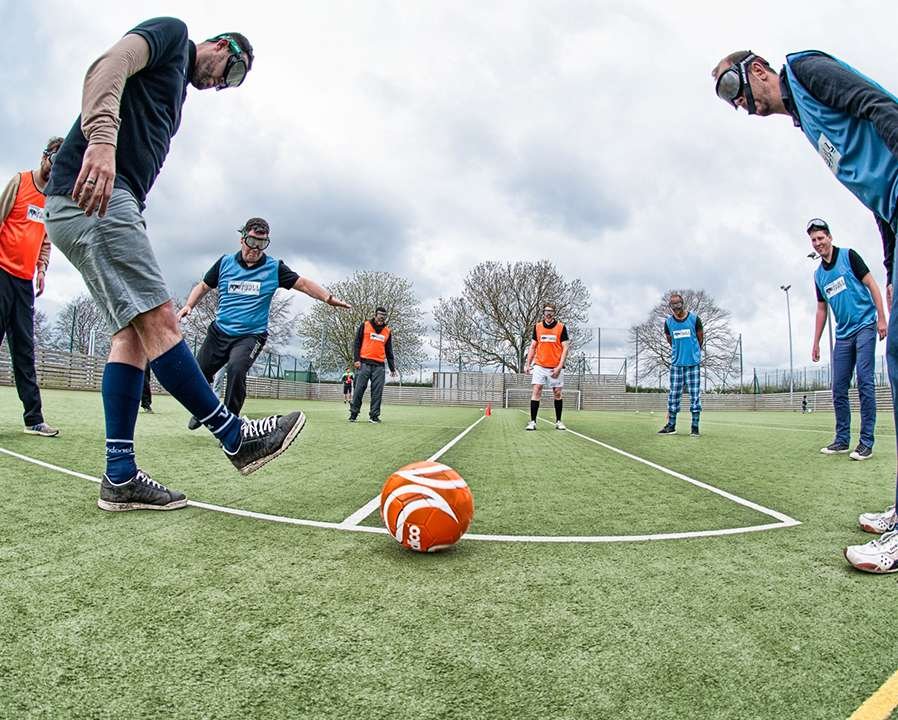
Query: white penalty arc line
[784, 520]
[239, 512]
[374, 503]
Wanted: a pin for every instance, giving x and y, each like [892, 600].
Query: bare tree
[76, 322]
[280, 319]
[718, 352]
[491, 323]
[41, 329]
[328, 333]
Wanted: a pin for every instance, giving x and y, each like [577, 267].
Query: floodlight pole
[785, 289]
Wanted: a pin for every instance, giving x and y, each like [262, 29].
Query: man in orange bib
[372, 348]
[549, 347]
[24, 254]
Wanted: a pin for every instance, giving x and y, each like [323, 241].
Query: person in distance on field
[844, 281]
[545, 358]
[24, 256]
[347, 384]
[852, 122]
[246, 283]
[686, 336]
[372, 348]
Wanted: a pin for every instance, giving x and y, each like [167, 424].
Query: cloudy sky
[425, 137]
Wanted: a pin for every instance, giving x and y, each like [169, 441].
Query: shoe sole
[124, 507]
[42, 434]
[873, 530]
[288, 440]
[834, 452]
[859, 458]
[869, 567]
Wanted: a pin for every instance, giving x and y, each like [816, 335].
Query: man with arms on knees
[246, 283]
[131, 107]
[545, 358]
[845, 282]
[686, 337]
[853, 123]
[372, 348]
[24, 254]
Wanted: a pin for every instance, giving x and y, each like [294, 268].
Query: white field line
[787, 522]
[204, 506]
[782, 518]
[374, 503]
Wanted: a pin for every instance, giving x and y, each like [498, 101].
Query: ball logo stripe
[417, 505]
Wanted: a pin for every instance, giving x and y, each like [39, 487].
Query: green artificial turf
[198, 614]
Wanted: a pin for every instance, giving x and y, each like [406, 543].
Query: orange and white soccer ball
[426, 506]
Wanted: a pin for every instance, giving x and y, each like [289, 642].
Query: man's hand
[184, 312]
[40, 282]
[557, 371]
[337, 302]
[815, 352]
[526, 368]
[357, 364]
[93, 188]
[393, 374]
[882, 327]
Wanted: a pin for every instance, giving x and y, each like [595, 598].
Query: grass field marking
[468, 536]
[783, 519]
[374, 502]
[207, 506]
[880, 704]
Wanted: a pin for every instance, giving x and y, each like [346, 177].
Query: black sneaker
[264, 439]
[694, 432]
[353, 418]
[193, 423]
[147, 409]
[668, 430]
[861, 452]
[376, 420]
[140, 493]
[835, 448]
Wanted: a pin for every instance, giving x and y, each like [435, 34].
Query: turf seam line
[880, 704]
[374, 503]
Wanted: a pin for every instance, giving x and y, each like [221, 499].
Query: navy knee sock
[178, 372]
[122, 388]
[534, 409]
[558, 406]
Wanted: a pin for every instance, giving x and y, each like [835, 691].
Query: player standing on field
[549, 347]
[686, 337]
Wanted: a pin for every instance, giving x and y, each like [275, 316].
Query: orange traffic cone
[489, 409]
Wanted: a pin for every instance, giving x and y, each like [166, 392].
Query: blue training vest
[684, 349]
[846, 295]
[850, 147]
[245, 296]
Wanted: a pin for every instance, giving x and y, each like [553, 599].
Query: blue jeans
[858, 349]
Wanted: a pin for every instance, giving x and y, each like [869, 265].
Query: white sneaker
[878, 523]
[877, 556]
[531, 425]
[560, 425]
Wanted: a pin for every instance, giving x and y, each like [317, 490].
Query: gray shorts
[112, 253]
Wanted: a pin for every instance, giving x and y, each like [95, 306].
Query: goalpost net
[520, 397]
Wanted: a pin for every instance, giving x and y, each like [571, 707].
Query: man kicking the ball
[131, 107]
[550, 347]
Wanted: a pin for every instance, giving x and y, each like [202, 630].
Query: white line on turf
[374, 502]
[783, 519]
[789, 522]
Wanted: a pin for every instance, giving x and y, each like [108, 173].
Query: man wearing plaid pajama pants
[686, 336]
